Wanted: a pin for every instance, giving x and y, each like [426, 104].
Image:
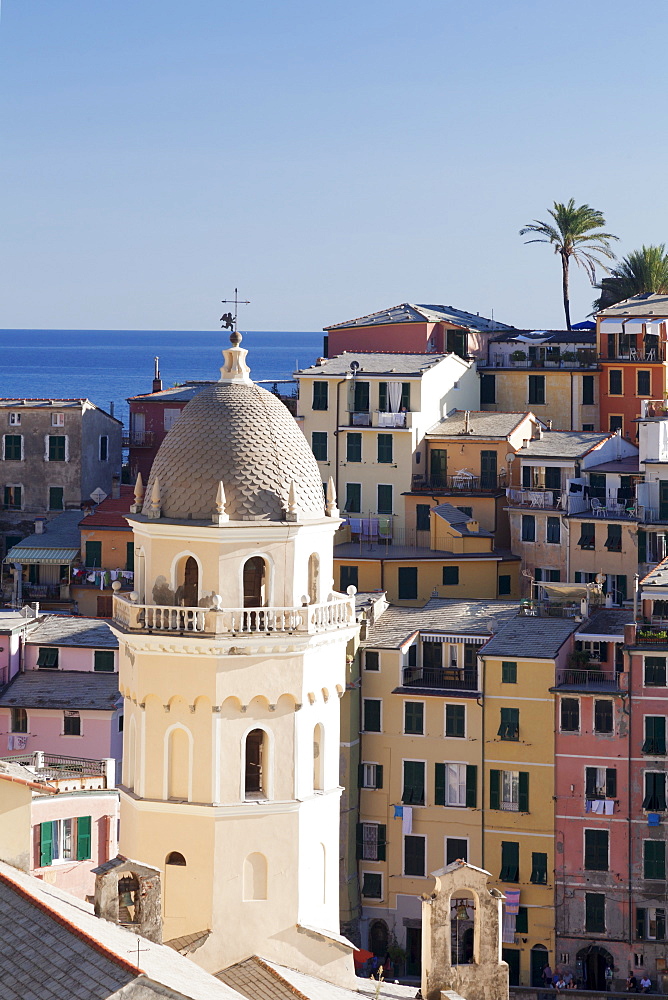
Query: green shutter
[524, 792]
[472, 785]
[46, 844]
[381, 842]
[382, 396]
[522, 921]
[494, 789]
[640, 923]
[379, 776]
[611, 782]
[360, 775]
[439, 782]
[93, 554]
[83, 838]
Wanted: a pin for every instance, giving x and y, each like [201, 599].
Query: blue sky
[330, 159]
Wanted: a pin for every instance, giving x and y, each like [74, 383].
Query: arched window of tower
[255, 877]
[256, 764]
[175, 858]
[318, 758]
[255, 583]
[314, 578]
[190, 584]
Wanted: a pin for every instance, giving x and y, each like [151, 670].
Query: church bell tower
[232, 663]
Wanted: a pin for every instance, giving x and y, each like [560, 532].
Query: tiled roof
[563, 444]
[244, 436]
[259, 979]
[413, 553]
[609, 621]
[459, 520]
[657, 577]
[482, 423]
[538, 638]
[177, 394]
[407, 313]
[623, 466]
[61, 630]
[54, 947]
[11, 771]
[640, 305]
[373, 363]
[61, 532]
[77, 690]
[109, 514]
[439, 615]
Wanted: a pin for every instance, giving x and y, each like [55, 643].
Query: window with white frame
[373, 842]
[594, 650]
[57, 419]
[170, 416]
[71, 723]
[510, 790]
[14, 419]
[455, 784]
[371, 775]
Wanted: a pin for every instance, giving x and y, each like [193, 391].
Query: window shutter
[523, 798]
[590, 782]
[46, 844]
[439, 783]
[359, 841]
[640, 923]
[472, 785]
[494, 789]
[360, 775]
[381, 842]
[379, 776]
[83, 838]
[611, 782]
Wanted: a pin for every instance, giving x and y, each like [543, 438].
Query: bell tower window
[256, 762]
[190, 583]
[255, 583]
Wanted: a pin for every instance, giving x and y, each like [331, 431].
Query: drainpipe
[336, 431]
[572, 404]
[636, 579]
[483, 757]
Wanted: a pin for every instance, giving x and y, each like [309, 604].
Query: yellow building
[365, 417]
[107, 554]
[420, 774]
[518, 728]
[232, 662]
[552, 372]
[461, 559]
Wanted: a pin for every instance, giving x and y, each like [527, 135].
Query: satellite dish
[510, 457]
[354, 366]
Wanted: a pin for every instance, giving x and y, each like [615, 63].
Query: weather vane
[228, 320]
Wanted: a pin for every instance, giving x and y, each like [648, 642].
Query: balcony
[460, 483]
[310, 619]
[138, 439]
[540, 499]
[647, 635]
[576, 679]
[653, 408]
[439, 679]
[379, 418]
[569, 359]
[652, 354]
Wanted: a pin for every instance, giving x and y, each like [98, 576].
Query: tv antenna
[139, 949]
[228, 320]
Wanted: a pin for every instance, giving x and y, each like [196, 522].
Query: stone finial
[139, 496]
[235, 368]
[220, 515]
[331, 510]
[154, 508]
[293, 511]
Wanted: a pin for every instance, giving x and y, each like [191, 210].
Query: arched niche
[314, 578]
[187, 581]
[179, 763]
[464, 917]
[255, 877]
[255, 581]
[175, 858]
[177, 884]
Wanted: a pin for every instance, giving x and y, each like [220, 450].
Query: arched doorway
[379, 938]
[539, 959]
[254, 583]
[190, 583]
[591, 966]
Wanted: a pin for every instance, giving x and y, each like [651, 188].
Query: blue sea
[109, 365]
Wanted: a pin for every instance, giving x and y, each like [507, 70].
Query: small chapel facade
[232, 660]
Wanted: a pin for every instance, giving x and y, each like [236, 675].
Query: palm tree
[643, 272]
[571, 234]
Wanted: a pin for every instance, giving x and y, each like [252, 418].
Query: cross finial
[229, 320]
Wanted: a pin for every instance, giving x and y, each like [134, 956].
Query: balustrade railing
[443, 678]
[336, 613]
[576, 677]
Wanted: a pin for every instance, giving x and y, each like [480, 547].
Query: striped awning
[42, 557]
[474, 640]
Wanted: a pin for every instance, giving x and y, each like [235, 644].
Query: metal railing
[579, 359]
[338, 612]
[443, 679]
[538, 498]
[138, 439]
[651, 635]
[459, 483]
[576, 677]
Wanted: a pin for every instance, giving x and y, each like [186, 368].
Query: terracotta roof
[109, 514]
[242, 435]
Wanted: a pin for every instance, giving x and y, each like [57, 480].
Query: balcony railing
[385, 419]
[650, 635]
[138, 439]
[379, 418]
[654, 407]
[337, 613]
[579, 359]
[360, 418]
[441, 679]
[623, 352]
[538, 498]
[577, 678]
[459, 484]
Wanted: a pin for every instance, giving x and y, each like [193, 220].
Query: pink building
[62, 697]
[58, 818]
[414, 329]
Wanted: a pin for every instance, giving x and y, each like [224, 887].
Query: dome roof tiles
[242, 435]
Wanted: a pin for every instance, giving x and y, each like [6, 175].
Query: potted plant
[569, 357]
[518, 356]
[398, 958]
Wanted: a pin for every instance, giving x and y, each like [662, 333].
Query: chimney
[157, 381]
[549, 425]
[467, 421]
[540, 433]
[40, 525]
[115, 487]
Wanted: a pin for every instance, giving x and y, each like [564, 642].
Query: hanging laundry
[512, 901]
[398, 812]
[407, 821]
[609, 807]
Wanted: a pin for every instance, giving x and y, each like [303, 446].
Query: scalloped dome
[240, 434]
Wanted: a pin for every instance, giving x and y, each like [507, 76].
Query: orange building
[107, 554]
